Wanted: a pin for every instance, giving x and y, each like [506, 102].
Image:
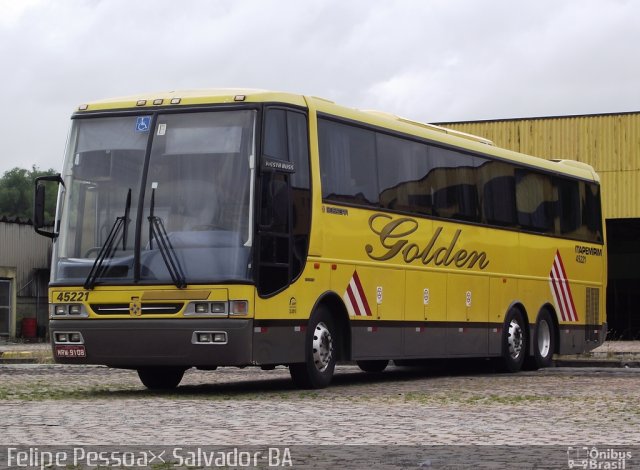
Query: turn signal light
[239, 307]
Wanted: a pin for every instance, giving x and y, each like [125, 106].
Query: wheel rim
[515, 339]
[322, 347]
[544, 339]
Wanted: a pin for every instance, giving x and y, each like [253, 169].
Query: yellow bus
[253, 228]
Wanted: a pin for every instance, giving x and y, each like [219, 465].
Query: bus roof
[374, 118]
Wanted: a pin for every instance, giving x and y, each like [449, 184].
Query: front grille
[592, 319]
[147, 309]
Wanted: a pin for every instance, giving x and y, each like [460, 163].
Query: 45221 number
[72, 296]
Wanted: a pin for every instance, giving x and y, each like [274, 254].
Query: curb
[17, 357]
[619, 362]
[25, 357]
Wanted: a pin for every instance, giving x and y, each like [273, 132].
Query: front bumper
[158, 342]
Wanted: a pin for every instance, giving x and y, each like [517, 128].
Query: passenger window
[535, 201]
[453, 184]
[568, 207]
[403, 166]
[592, 212]
[497, 190]
[348, 163]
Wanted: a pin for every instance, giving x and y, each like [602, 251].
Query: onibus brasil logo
[594, 458]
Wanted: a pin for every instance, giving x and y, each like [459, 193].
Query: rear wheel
[544, 344]
[373, 366]
[161, 378]
[514, 341]
[320, 353]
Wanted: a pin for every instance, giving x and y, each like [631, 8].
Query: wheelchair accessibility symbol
[143, 123]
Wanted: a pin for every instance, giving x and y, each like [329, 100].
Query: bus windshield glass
[194, 172]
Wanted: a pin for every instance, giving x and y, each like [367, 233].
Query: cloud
[433, 60]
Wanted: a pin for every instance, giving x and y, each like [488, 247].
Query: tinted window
[568, 206]
[275, 128]
[535, 201]
[365, 167]
[592, 212]
[578, 209]
[298, 148]
[403, 166]
[285, 210]
[453, 183]
[347, 162]
[497, 189]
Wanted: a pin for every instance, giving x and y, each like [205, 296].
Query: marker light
[141, 102]
[220, 337]
[239, 307]
[61, 310]
[239, 98]
[202, 308]
[209, 337]
[83, 107]
[75, 309]
[204, 338]
[218, 307]
[158, 101]
[176, 100]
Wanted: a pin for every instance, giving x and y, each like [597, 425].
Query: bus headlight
[202, 308]
[77, 310]
[218, 308]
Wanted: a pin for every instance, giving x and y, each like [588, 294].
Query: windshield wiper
[157, 231]
[118, 232]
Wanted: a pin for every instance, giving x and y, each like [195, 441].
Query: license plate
[71, 351]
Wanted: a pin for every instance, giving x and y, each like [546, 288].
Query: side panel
[281, 320]
[374, 300]
[425, 305]
[467, 314]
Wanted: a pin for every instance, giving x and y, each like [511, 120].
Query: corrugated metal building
[611, 144]
[25, 259]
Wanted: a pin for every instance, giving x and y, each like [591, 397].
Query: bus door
[283, 222]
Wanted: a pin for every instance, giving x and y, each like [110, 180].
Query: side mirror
[39, 201]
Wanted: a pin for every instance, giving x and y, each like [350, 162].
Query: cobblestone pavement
[92, 405]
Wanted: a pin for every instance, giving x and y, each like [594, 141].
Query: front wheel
[160, 378]
[320, 353]
[514, 341]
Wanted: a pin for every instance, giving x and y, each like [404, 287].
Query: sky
[427, 60]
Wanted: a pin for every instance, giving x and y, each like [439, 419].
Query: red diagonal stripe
[354, 303]
[363, 297]
[557, 287]
[572, 305]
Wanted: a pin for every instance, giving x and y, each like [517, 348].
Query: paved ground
[44, 404]
[457, 405]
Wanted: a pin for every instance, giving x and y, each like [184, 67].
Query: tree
[16, 193]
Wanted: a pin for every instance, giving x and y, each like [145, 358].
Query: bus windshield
[194, 173]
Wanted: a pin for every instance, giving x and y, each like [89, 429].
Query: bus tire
[514, 341]
[160, 378]
[544, 344]
[373, 366]
[320, 352]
